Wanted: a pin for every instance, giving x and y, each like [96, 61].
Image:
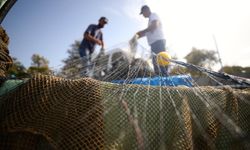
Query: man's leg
[164, 70]
[84, 56]
[156, 65]
[82, 49]
[90, 66]
[157, 47]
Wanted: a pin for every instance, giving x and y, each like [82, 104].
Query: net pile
[49, 112]
[5, 59]
[64, 114]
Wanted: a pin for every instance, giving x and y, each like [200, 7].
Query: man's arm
[150, 28]
[89, 37]
[102, 45]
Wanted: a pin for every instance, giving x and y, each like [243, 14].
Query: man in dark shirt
[92, 36]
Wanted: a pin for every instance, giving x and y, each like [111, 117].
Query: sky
[50, 27]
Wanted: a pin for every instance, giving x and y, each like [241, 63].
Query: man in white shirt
[155, 38]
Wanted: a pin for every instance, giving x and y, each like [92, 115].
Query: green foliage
[39, 61]
[43, 70]
[17, 69]
[70, 69]
[39, 65]
[179, 70]
[237, 71]
[201, 57]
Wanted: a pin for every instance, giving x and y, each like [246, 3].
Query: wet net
[112, 110]
[51, 112]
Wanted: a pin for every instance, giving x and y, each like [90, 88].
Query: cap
[145, 7]
[104, 19]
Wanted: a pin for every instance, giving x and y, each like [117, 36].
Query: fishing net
[5, 59]
[112, 110]
[51, 112]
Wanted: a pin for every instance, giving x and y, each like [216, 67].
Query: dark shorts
[84, 48]
[158, 46]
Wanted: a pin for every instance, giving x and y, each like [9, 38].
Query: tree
[203, 58]
[39, 65]
[73, 64]
[17, 69]
[39, 61]
[237, 71]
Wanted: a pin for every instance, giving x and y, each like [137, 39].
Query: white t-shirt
[157, 34]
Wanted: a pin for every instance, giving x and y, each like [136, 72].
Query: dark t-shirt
[94, 31]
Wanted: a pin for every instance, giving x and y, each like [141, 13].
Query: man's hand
[140, 33]
[102, 52]
[89, 37]
[150, 28]
[134, 39]
[99, 42]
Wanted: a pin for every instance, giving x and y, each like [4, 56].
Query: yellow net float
[162, 58]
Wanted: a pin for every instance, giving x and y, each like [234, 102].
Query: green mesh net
[54, 113]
